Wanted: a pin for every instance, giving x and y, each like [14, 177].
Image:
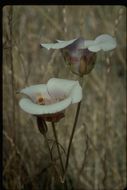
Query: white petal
[28, 106]
[34, 90]
[60, 40]
[62, 88]
[88, 43]
[94, 48]
[76, 93]
[106, 42]
[58, 45]
[103, 42]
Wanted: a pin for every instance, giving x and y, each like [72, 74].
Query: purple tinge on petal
[72, 53]
[76, 45]
[81, 60]
[56, 95]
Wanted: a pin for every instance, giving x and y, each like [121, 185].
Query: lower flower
[48, 101]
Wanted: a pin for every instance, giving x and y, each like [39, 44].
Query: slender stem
[42, 126]
[47, 143]
[46, 140]
[57, 143]
[71, 138]
[59, 153]
[73, 130]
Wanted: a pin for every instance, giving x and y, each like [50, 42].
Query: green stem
[71, 138]
[73, 130]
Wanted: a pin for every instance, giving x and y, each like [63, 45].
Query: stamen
[40, 100]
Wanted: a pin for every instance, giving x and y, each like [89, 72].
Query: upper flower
[51, 98]
[103, 42]
[80, 53]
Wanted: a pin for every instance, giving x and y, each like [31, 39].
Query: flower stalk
[47, 143]
[58, 149]
[73, 131]
[60, 157]
[71, 138]
[42, 126]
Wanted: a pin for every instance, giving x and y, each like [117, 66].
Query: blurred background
[98, 154]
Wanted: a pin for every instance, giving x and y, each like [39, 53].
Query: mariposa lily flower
[49, 101]
[80, 54]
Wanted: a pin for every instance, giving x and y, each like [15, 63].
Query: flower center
[46, 101]
[40, 100]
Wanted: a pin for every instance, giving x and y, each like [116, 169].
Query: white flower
[80, 54]
[103, 42]
[50, 98]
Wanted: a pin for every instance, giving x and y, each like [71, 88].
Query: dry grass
[98, 156]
